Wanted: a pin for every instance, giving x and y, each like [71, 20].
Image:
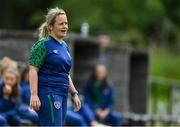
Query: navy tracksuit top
[54, 63]
[6, 104]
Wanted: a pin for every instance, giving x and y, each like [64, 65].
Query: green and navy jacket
[54, 63]
[96, 96]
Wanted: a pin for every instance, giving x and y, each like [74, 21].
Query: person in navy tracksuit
[99, 95]
[50, 64]
[9, 96]
[23, 108]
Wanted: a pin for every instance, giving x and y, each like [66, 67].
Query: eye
[59, 24]
[64, 23]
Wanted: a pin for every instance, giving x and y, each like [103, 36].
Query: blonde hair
[7, 62]
[50, 20]
[15, 72]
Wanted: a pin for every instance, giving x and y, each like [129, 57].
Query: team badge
[57, 104]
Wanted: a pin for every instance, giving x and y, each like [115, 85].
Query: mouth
[63, 31]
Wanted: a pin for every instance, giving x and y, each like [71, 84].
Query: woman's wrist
[34, 93]
[74, 93]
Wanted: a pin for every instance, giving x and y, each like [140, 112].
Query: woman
[9, 96]
[23, 108]
[5, 63]
[50, 63]
[99, 95]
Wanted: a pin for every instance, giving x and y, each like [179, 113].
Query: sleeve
[66, 46]
[1, 89]
[88, 95]
[111, 97]
[38, 54]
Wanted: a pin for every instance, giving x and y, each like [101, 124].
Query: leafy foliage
[154, 20]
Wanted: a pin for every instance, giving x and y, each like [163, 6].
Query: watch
[74, 93]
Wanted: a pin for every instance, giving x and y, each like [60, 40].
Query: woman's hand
[102, 113]
[35, 102]
[77, 103]
[98, 112]
[7, 90]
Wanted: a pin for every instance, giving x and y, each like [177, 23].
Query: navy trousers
[25, 114]
[53, 110]
[3, 121]
[12, 117]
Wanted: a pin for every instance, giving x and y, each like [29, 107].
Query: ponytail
[43, 30]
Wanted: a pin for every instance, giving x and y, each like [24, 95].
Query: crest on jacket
[57, 104]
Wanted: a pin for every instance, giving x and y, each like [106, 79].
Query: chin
[62, 35]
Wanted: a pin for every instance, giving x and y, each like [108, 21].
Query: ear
[50, 27]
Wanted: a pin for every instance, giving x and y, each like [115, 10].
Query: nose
[65, 25]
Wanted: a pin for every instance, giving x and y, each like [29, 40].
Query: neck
[55, 37]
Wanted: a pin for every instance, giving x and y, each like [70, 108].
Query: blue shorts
[53, 109]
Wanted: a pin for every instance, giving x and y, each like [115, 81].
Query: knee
[116, 118]
[3, 121]
[75, 119]
[31, 116]
[15, 120]
[80, 121]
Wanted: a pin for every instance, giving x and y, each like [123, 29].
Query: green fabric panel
[51, 107]
[97, 93]
[38, 53]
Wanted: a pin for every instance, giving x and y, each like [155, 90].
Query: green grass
[165, 64]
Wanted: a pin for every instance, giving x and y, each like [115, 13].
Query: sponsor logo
[55, 51]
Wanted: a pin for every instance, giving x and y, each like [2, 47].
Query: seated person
[24, 111]
[6, 62]
[10, 107]
[99, 96]
[9, 96]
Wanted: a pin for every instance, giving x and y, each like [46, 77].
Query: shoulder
[88, 83]
[41, 43]
[1, 86]
[64, 43]
[39, 46]
[110, 86]
[38, 52]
